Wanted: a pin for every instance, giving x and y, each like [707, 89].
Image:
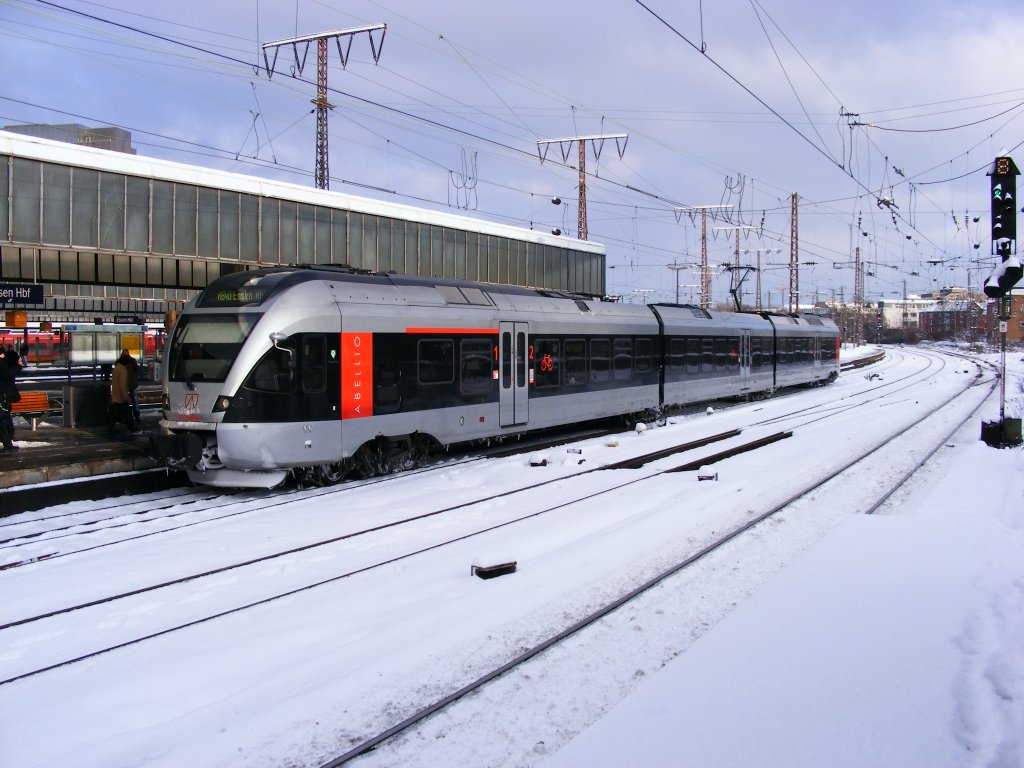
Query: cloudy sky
[883, 117]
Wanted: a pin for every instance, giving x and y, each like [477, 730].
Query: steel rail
[595, 616]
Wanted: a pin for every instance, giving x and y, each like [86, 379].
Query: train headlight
[222, 404]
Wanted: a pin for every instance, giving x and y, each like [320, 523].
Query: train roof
[253, 287]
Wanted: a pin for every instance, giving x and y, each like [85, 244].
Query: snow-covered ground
[824, 637]
[898, 640]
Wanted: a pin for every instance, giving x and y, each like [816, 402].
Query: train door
[744, 360]
[513, 358]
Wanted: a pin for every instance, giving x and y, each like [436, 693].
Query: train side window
[622, 359]
[828, 350]
[575, 362]
[693, 357]
[733, 353]
[475, 367]
[600, 359]
[785, 351]
[272, 373]
[721, 354]
[547, 363]
[677, 353]
[521, 361]
[436, 361]
[755, 353]
[644, 355]
[707, 357]
[314, 358]
[506, 360]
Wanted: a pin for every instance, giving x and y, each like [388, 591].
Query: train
[49, 348]
[41, 347]
[322, 372]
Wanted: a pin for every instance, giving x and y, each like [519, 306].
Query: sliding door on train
[513, 378]
[744, 360]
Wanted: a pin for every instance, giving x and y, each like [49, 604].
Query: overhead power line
[1018, 105]
[346, 94]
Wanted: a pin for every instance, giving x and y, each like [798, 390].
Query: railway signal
[1008, 271]
[1004, 175]
[1006, 275]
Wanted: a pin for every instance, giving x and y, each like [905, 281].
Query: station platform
[53, 453]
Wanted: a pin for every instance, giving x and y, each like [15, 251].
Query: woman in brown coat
[120, 395]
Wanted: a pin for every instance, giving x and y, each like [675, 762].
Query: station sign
[21, 293]
[103, 328]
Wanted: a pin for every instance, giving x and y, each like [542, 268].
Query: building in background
[953, 319]
[114, 139]
[1015, 325]
[112, 233]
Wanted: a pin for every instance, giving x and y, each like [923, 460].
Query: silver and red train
[323, 372]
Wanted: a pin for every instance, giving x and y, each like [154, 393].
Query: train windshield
[205, 346]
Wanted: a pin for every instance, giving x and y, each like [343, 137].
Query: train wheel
[366, 461]
[421, 448]
[330, 474]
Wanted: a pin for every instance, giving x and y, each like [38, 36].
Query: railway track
[181, 630]
[27, 531]
[389, 560]
[596, 616]
[643, 460]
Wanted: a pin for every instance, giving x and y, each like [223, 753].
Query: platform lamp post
[675, 266]
[691, 286]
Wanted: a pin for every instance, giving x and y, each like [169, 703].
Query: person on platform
[6, 438]
[120, 394]
[133, 387]
[10, 367]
